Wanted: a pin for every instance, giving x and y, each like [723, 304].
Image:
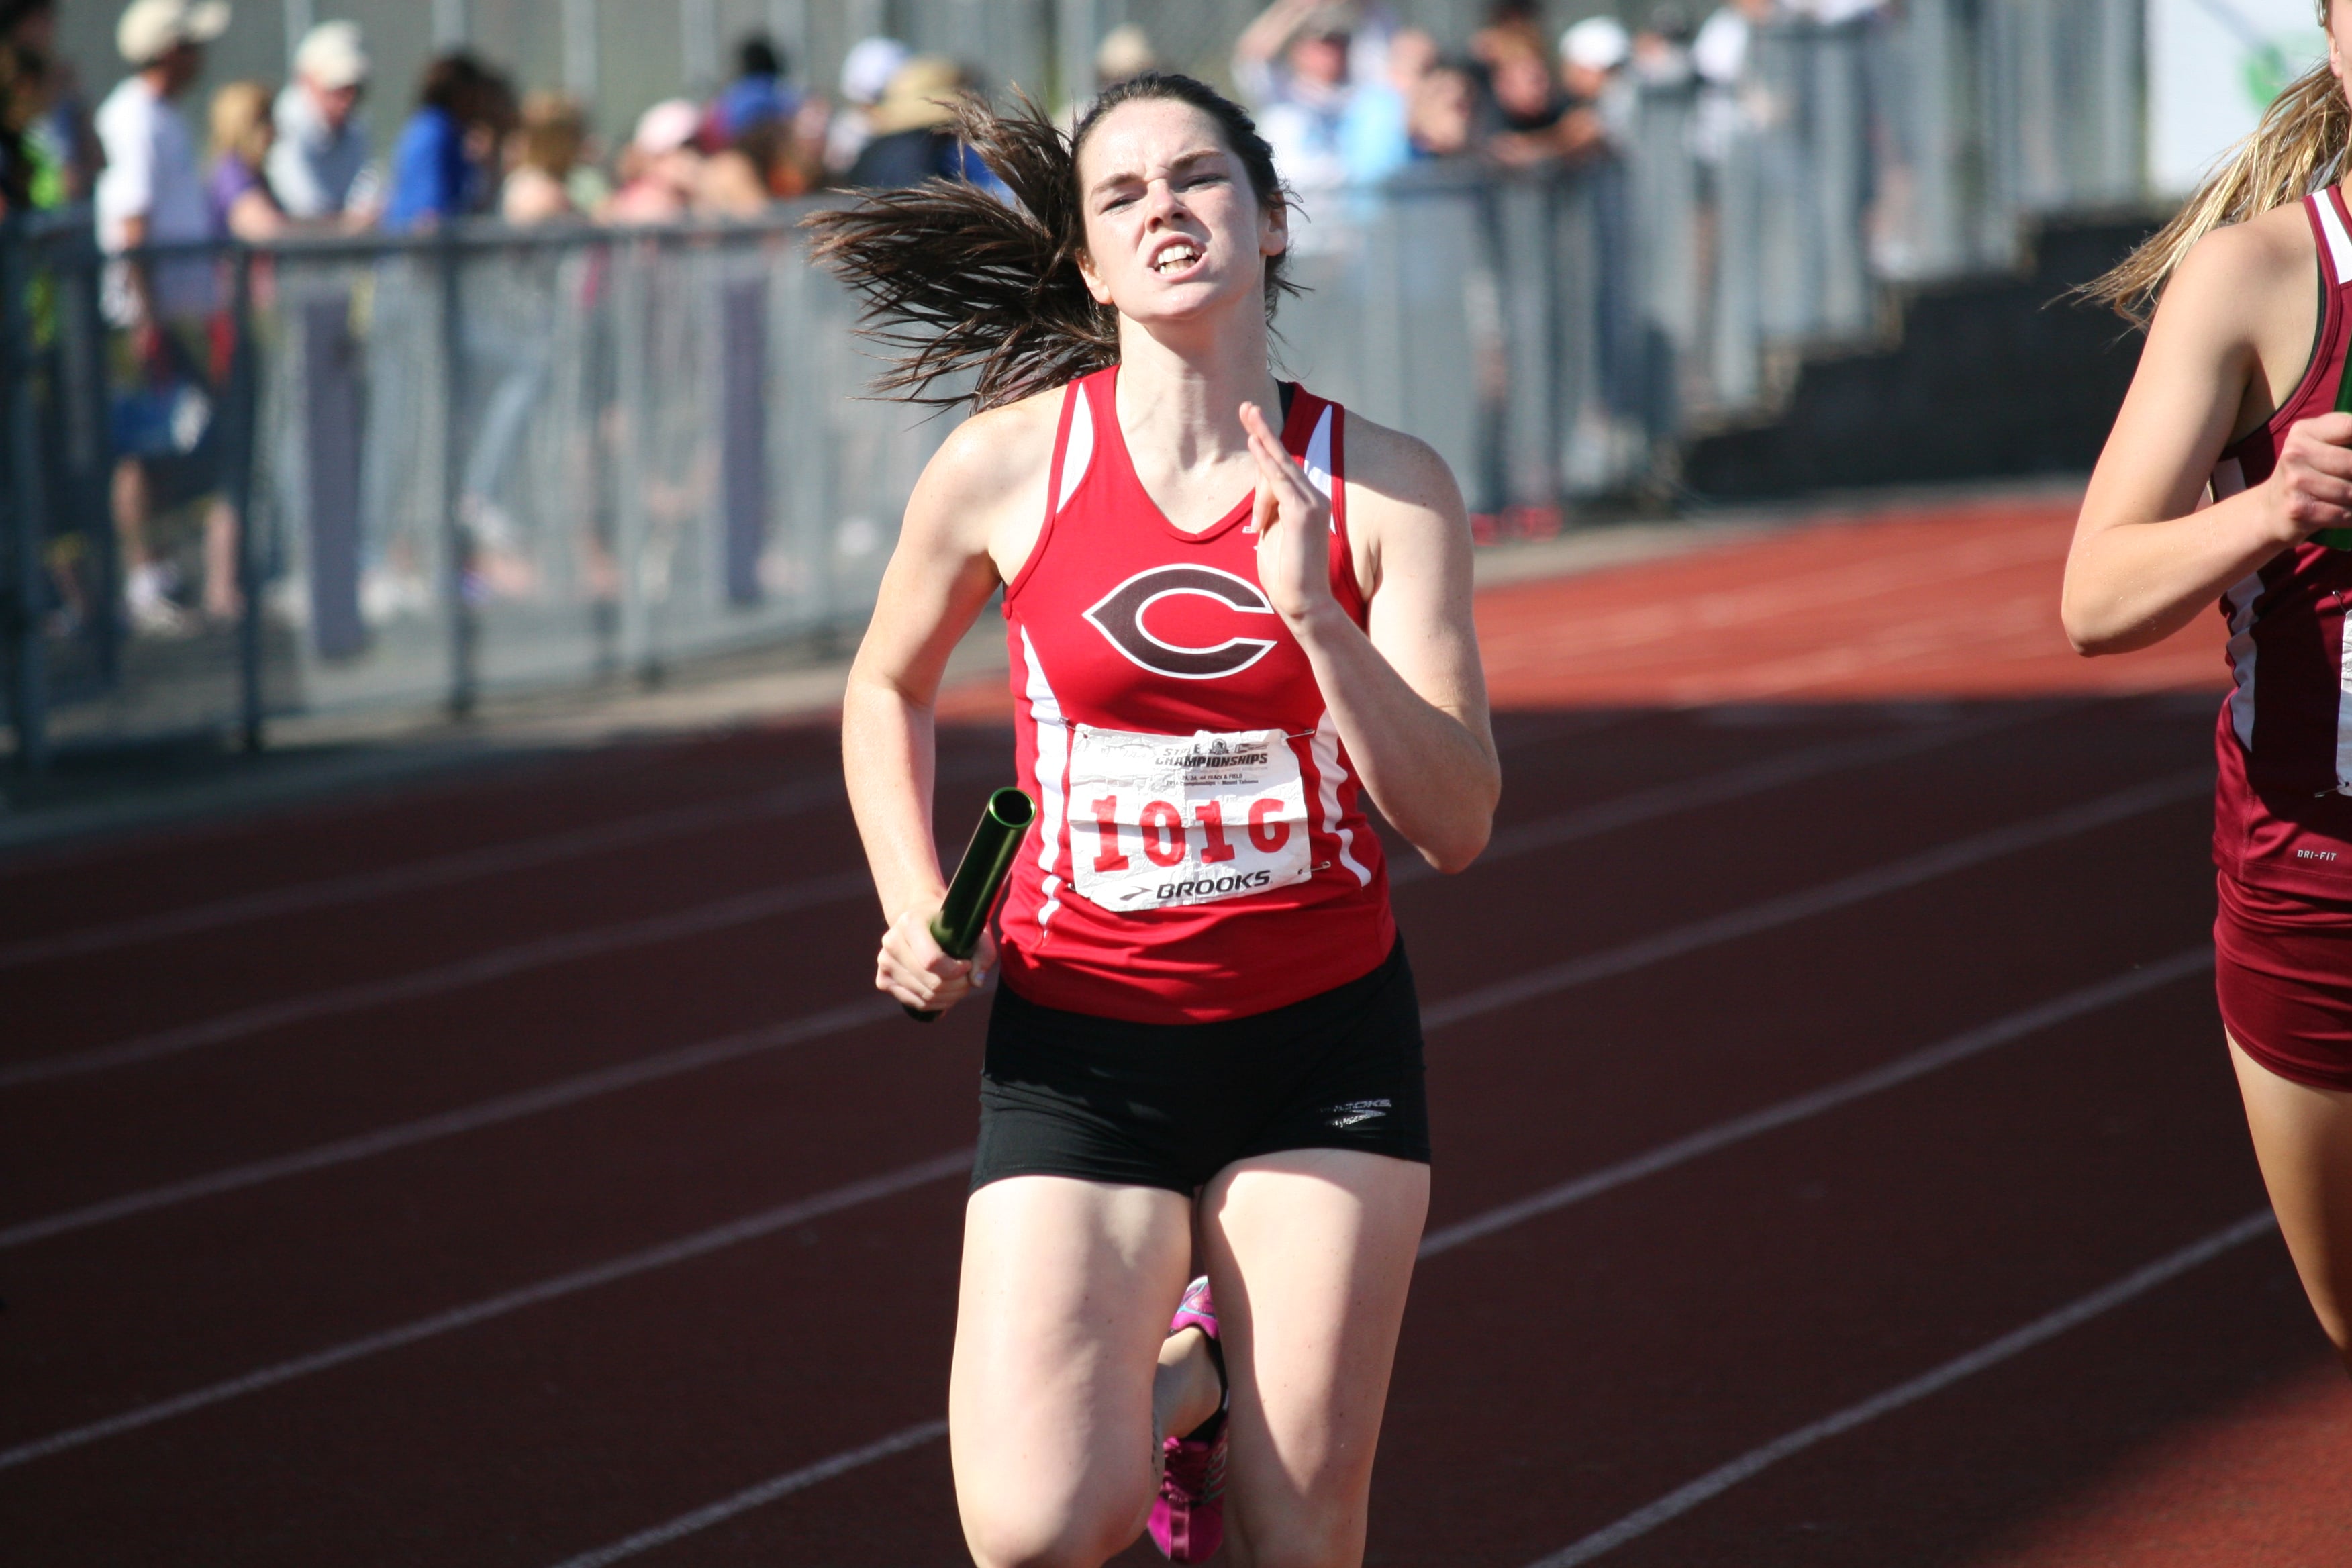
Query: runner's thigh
[1066, 1291]
[2303, 1140]
[1310, 1254]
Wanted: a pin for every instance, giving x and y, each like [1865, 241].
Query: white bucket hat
[332, 56]
[1597, 44]
[150, 30]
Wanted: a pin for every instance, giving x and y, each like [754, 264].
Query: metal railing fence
[491, 460]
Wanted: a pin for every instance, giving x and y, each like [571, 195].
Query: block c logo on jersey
[1119, 617]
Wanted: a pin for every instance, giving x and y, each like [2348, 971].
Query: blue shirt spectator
[438, 172]
[759, 92]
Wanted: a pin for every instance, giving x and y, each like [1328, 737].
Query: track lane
[136, 1121]
[1616, 1349]
[2054, 1325]
[1440, 1010]
[1777, 771]
[235, 975]
[574, 1195]
[185, 864]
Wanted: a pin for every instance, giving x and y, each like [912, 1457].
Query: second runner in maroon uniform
[2282, 813]
[2228, 480]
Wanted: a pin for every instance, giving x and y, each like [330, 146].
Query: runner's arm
[1409, 695]
[940, 578]
[2144, 560]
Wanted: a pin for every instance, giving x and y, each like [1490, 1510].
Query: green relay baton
[979, 878]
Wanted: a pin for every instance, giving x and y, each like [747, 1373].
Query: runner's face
[1173, 227]
[2338, 14]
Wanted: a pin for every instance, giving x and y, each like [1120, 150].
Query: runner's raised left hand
[1293, 524]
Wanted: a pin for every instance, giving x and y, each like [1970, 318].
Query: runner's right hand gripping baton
[979, 878]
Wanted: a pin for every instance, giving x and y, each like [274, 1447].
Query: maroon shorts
[2282, 967]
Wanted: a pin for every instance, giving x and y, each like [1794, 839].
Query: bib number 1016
[1161, 825]
[1165, 820]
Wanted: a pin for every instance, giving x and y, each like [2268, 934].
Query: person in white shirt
[152, 193]
[1718, 59]
[1293, 64]
[319, 167]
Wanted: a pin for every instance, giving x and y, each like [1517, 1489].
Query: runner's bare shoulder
[2251, 282]
[985, 487]
[1403, 505]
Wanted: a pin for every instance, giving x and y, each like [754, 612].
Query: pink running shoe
[1188, 1522]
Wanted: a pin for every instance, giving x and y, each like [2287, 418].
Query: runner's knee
[1304, 1534]
[1017, 1531]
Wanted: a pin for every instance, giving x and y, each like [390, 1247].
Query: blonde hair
[2298, 147]
[241, 123]
[552, 132]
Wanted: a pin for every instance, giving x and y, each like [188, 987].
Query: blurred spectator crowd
[1348, 95]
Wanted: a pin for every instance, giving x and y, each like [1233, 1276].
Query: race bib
[1163, 820]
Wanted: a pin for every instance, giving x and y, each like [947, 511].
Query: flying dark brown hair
[954, 282]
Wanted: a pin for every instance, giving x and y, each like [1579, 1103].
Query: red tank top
[1202, 851]
[2282, 811]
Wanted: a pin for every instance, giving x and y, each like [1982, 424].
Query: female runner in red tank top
[1231, 609]
[2226, 472]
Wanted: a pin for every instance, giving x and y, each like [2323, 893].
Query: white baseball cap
[150, 30]
[666, 127]
[332, 56]
[865, 73]
[1597, 44]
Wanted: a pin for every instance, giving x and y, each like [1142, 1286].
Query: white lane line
[414, 877]
[765, 1492]
[2001, 1031]
[490, 860]
[1722, 1480]
[702, 1243]
[1801, 1107]
[1911, 871]
[495, 964]
[465, 1119]
[1716, 789]
[497, 860]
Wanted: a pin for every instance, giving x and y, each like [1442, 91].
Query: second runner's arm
[2145, 561]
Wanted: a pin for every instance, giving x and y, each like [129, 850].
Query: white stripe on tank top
[2344, 709]
[2339, 242]
[1080, 450]
[1317, 461]
[1053, 762]
[1329, 772]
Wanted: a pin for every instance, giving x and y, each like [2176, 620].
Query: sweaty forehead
[1146, 138]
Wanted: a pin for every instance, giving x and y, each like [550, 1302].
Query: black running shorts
[1170, 1105]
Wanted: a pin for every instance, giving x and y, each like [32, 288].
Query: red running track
[1837, 1160]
